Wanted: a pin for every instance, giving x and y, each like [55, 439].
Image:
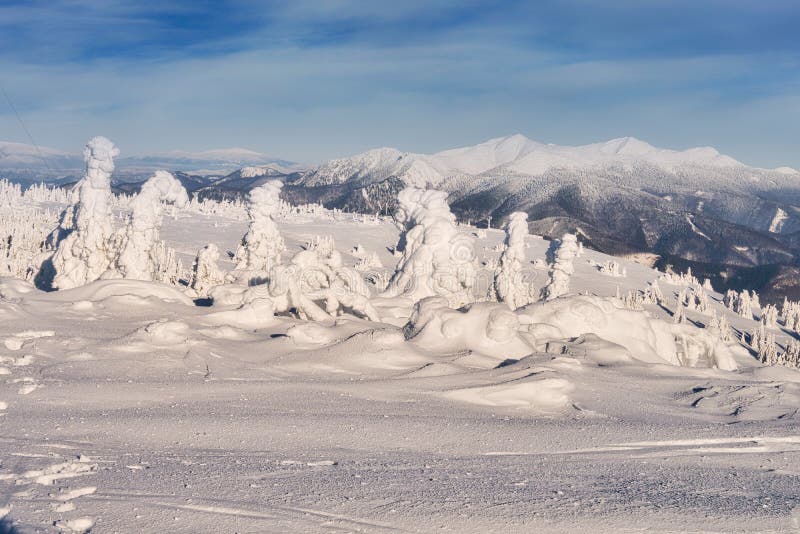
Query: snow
[786, 170]
[262, 246]
[138, 257]
[515, 153]
[562, 267]
[308, 403]
[510, 284]
[86, 252]
[436, 259]
[778, 221]
[695, 229]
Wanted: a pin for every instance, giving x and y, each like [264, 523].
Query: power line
[25, 128]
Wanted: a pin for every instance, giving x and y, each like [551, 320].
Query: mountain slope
[624, 195]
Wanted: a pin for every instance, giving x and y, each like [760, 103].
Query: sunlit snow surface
[126, 408]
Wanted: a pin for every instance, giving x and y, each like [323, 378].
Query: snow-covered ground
[126, 407]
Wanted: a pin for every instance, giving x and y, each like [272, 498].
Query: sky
[309, 81]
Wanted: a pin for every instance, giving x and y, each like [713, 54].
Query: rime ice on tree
[139, 252]
[509, 285]
[262, 245]
[205, 272]
[562, 268]
[436, 260]
[86, 252]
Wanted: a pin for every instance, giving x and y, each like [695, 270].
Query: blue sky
[313, 80]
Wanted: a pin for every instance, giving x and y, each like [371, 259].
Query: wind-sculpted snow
[86, 252]
[137, 406]
[484, 327]
[640, 336]
[436, 259]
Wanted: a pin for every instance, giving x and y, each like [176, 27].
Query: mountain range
[737, 224]
[49, 162]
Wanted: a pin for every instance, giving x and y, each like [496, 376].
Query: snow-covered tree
[679, 316]
[720, 326]
[436, 259]
[316, 285]
[205, 271]
[791, 356]
[86, 251]
[262, 245]
[561, 268]
[612, 268]
[743, 305]
[140, 249]
[510, 285]
[730, 299]
[769, 316]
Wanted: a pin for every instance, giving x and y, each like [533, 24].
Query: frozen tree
[791, 356]
[719, 325]
[768, 350]
[694, 298]
[436, 260]
[141, 253]
[769, 316]
[612, 268]
[744, 305]
[262, 245]
[316, 285]
[679, 317]
[509, 283]
[730, 299]
[205, 271]
[86, 251]
[562, 268]
[652, 293]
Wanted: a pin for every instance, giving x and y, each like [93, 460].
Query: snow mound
[544, 395]
[488, 328]
[258, 313]
[646, 339]
[105, 289]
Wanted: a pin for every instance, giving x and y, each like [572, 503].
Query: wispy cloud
[312, 80]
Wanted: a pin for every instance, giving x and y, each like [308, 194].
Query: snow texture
[136, 406]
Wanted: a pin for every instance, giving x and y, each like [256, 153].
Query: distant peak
[629, 146]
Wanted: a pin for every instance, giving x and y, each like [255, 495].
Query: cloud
[313, 80]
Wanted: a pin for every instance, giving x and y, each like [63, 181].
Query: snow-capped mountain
[513, 154]
[219, 161]
[49, 161]
[27, 157]
[622, 195]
